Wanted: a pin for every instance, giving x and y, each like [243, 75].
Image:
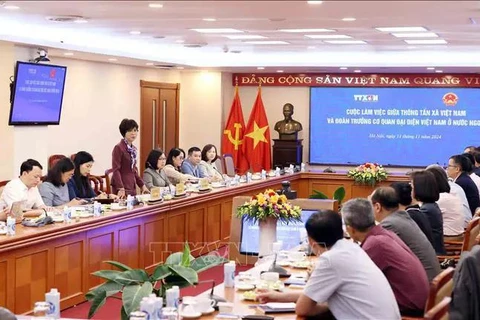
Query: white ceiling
[107, 33]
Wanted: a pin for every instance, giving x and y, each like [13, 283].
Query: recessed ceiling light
[439, 71]
[149, 63]
[327, 36]
[416, 35]
[112, 59]
[349, 19]
[260, 68]
[10, 7]
[343, 68]
[80, 21]
[314, 2]
[179, 41]
[267, 42]
[430, 68]
[155, 5]
[279, 71]
[244, 36]
[357, 71]
[68, 53]
[218, 30]
[311, 47]
[306, 30]
[436, 41]
[135, 32]
[209, 19]
[401, 29]
[345, 41]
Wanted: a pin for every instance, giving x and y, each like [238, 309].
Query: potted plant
[180, 269]
[368, 174]
[267, 208]
[338, 195]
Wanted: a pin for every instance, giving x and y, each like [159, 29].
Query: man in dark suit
[458, 169]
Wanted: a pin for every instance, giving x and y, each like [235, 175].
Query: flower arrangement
[368, 173]
[269, 204]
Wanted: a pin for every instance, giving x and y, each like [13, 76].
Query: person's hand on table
[102, 195]
[121, 193]
[265, 295]
[145, 190]
[77, 202]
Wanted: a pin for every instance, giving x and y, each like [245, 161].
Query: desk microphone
[213, 296]
[274, 268]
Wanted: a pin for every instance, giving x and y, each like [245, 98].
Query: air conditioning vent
[65, 18]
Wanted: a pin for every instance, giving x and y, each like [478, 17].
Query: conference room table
[63, 256]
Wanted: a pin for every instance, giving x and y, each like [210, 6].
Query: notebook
[277, 307]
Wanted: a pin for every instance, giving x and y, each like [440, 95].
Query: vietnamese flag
[257, 137]
[233, 135]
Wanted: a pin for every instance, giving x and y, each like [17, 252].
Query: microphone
[213, 296]
[283, 273]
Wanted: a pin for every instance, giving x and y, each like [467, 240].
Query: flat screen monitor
[289, 234]
[37, 94]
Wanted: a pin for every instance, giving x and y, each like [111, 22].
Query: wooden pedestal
[286, 152]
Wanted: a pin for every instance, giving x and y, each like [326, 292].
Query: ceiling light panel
[401, 29]
[244, 36]
[218, 30]
[327, 36]
[345, 41]
[306, 30]
[267, 42]
[432, 41]
[416, 35]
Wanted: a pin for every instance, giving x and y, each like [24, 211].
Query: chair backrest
[229, 165]
[472, 233]
[53, 159]
[2, 185]
[441, 287]
[97, 183]
[219, 163]
[108, 181]
[439, 311]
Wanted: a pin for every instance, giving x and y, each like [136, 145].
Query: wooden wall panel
[154, 242]
[195, 231]
[129, 246]
[68, 269]
[100, 248]
[213, 224]
[3, 282]
[176, 234]
[31, 278]
[226, 220]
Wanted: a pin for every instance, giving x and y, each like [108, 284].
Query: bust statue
[288, 128]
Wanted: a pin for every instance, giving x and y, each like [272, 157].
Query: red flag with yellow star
[233, 135]
[256, 144]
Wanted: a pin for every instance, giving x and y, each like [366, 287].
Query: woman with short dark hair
[125, 176]
[154, 175]
[425, 191]
[207, 166]
[172, 169]
[54, 189]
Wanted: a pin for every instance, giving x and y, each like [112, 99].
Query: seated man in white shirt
[24, 188]
[345, 280]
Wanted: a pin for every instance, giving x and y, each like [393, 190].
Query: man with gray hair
[401, 267]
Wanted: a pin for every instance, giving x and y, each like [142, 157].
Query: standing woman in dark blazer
[125, 176]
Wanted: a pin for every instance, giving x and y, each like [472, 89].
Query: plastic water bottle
[67, 214]
[291, 168]
[264, 174]
[277, 172]
[147, 307]
[158, 307]
[302, 167]
[129, 202]
[176, 301]
[10, 226]
[138, 315]
[229, 274]
[53, 299]
[249, 177]
[170, 297]
[97, 209]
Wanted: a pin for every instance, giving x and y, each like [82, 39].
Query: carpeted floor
[111, 309]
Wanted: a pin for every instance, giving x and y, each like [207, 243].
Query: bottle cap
[54, 290]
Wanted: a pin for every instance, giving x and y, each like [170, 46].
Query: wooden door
[158, 117]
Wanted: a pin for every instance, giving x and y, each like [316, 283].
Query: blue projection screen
[411, 127]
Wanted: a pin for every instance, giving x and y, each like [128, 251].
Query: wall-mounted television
[37, 94]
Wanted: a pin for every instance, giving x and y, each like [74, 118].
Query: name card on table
[155, 193]
[180, 188]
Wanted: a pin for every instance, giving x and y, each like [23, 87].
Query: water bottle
[53, 300]
[249, 177]
[176, 301]
[146, 306]
[138, 315]
[277, 172]
[291, 168]
[10, 226]
[158, 307]
[129, 202]
[67, 214]
[97, 209]
[229, 274]
[170, 297]
[41, 310]
[302, 167]
[264, 174]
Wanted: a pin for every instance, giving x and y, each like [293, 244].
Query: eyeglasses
[162, 159]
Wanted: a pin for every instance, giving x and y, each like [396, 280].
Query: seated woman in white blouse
[154, 175]
[207, 166]
[172, 169]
